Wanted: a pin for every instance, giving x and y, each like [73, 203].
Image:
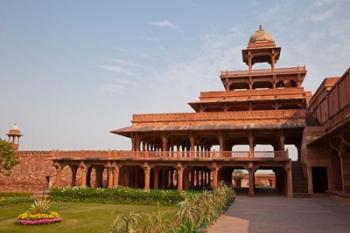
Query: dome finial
[261, 27]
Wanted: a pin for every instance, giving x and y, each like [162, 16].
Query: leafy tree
[8, 157]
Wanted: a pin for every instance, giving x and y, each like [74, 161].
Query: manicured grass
[77, 217]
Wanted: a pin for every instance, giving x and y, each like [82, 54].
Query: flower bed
[39, 214]
[28, 218]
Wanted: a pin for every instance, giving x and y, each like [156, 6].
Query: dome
[15, 127]
[14, 131]
[261, 35]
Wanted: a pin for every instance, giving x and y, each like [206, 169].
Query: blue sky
[71, 71]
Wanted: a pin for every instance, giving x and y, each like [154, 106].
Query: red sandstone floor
[276, 214]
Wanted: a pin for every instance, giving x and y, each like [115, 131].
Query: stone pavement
[277, 214]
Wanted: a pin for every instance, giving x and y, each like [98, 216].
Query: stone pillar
[221, 143]
[110, 176]
[58, 181]
[214, 174]
[192, 145]
[288, 169]
[156, 177]
[115, 175]
[180, 171]
[74, 170]
[251, 145]
[147, 171]
[186, 179]
[281, 142]
[251, 182]
[84, 172]
[165, 143]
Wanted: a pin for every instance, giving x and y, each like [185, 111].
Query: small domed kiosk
[14, 135]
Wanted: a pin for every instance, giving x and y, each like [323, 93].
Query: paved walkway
[277, 214]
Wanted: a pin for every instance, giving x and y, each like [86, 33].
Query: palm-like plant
[41, 205]
[126, 223]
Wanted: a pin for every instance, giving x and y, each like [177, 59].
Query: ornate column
[180, 171]
[109, 175]
[288, 169]
[221, 143]
[59, 168]
[147, 170]
[115, 168]
[156, 177]
[214, 174]
[251, 172]
[251, 144]
[281, 141]
[84, 170]
[165, 143]
[192, 145]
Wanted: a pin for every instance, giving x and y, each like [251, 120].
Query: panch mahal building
[196, 150]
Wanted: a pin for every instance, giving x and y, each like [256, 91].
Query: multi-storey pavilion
[257, 106]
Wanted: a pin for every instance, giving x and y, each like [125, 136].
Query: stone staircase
[299, 181]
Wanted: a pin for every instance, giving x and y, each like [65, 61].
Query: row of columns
[194, 145]
[163, 177]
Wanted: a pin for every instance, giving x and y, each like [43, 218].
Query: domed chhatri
[14, 131]
[13, 136]
[261, 37]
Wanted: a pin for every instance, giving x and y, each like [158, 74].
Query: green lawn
[77, 217]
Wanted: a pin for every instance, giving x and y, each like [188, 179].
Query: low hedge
[4, 201]
[120, 195]
[15, 194]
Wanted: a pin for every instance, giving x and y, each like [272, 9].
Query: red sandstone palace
[175, 150]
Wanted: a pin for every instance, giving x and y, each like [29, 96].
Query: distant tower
[13, 136]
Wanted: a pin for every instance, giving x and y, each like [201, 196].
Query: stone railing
[218, 116]
[186, 155]
[276, 71]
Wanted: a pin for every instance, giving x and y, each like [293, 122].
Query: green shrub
[14, 200]
[120, 195]
[15, 194]
[193, 214]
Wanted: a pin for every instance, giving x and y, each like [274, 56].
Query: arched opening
[265, 181]
[232, 176]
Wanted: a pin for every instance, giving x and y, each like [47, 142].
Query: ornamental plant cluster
[120, 195]
[39, 213]
[193, 214]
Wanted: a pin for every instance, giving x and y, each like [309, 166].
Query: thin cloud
[131, 64]
[165, 24]
[323, 15]
[117, 69]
